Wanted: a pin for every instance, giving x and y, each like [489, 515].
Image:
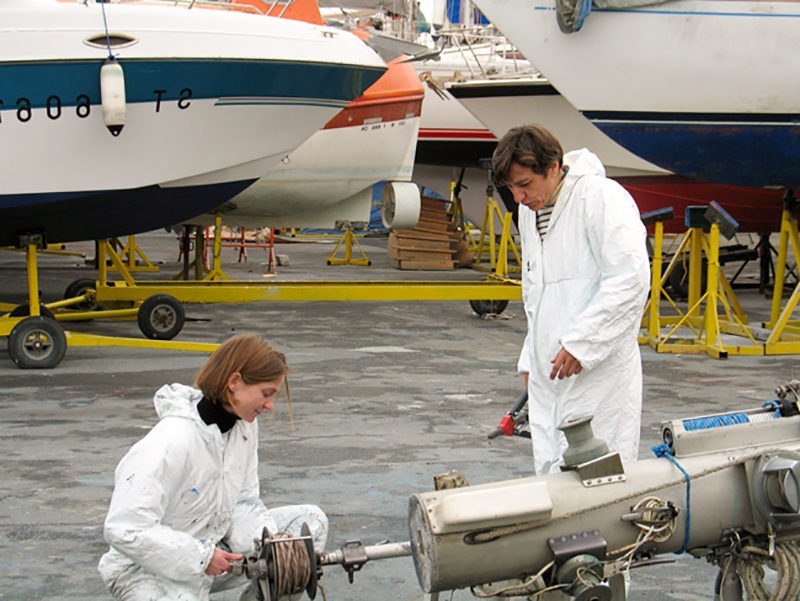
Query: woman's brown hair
[249, 355]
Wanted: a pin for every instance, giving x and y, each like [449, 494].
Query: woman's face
[251, 399]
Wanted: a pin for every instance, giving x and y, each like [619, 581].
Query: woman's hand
[221, 562]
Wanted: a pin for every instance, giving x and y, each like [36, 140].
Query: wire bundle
[787, 565]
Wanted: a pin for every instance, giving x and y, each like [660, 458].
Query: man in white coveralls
[585, 279]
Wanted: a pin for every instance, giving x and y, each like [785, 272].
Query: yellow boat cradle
[37, 340]
[779, 336]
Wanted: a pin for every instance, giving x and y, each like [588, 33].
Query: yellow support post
[784, 338]
[217, 274]
[348, 240]
[33, 281]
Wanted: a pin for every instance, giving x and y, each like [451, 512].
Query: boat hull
[501, 105]
[704, 88]
[242, 92]
[329, 178]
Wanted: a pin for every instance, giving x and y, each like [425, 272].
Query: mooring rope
[292, 565]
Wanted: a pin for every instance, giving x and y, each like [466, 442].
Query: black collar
[215, 413]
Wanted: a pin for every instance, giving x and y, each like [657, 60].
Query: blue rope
[105, 25]
[704, 423]
[776, 405]
[662, 450]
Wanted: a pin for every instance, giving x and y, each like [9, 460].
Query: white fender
[112, 95]
[400, 205]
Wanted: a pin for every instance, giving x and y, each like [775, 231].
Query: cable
[786, 559]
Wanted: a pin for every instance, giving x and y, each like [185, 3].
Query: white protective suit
[179, 492]
[584, 286]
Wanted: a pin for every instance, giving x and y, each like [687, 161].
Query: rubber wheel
[79, 288]
[161, 317]
[25, 310]
[488, 307]
[37, 343]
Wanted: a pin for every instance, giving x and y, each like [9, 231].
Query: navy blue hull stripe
[42, 83]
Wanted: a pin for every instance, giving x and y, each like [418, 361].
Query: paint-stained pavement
[385, 395]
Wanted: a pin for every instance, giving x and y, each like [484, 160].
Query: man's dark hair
[528, 145]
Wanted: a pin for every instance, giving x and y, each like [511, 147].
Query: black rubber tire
[25, 310]
[37, 343]
[488, 307]
[79, 288]
[161, 317]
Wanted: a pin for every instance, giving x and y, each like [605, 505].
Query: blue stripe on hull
[753, 154]
[70, 82]
[94, 215]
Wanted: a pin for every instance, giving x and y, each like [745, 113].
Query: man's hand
[221, 562]
[565, 365]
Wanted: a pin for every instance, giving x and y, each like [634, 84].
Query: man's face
[531, 189]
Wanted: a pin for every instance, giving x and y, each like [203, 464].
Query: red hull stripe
[374, 112]
[456, 134]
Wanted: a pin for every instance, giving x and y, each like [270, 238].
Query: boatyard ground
[384, 396]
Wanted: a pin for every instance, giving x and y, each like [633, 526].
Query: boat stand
[784, 336]
[348, 239]
[708, 326]
[37, 341]
[492, 210]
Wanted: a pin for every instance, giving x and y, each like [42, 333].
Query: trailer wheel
[488, 307]
[37, 343]
[161, 317]
[79, 288]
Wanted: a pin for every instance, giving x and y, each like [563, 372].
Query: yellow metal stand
[492, 210]
[348, 240]
[132, 251]
[784, 337]
[707, 325]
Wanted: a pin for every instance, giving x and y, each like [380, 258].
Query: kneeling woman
[186, 498]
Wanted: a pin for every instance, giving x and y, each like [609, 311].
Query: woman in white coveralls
[585, 279]
[186, 498]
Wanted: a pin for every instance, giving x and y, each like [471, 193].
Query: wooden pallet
[434, 245]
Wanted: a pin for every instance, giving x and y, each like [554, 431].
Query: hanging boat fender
[400, 205]
[112, 95]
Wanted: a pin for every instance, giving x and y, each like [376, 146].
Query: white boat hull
[704, 88]
[214, 99]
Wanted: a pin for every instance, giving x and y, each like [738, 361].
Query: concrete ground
[385, 395]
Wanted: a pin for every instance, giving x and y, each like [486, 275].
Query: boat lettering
[23, 109]
[53, 108]
[83, 106]
[183, 103]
